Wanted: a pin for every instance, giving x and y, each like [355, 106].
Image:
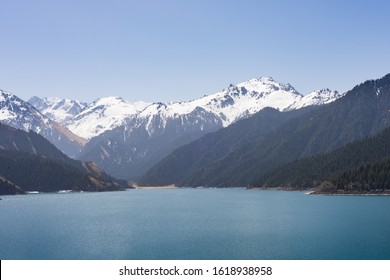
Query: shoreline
[173, 186]
[349, 194]
[318, 192]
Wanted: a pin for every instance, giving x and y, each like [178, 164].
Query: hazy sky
[179, 50]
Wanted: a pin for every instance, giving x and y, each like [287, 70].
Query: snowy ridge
[102, 115]
[317, 97]
[22, 115]
[60, 110]
[228, 105]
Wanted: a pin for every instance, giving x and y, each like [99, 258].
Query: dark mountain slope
[369, 178]
[7, 187]
[36, 173]
[311, 172]
[29, 162]
[13, 139]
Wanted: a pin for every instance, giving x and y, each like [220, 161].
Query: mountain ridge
[362, 111]
[130, 149]
[20, 114]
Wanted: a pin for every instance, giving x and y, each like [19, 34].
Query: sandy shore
[155, 187]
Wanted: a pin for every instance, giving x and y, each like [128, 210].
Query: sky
[169, 50]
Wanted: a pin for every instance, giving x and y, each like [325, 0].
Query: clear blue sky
[180, 50]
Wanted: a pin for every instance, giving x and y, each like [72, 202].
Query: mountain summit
[57, 109]
[227, 106]
[20, 114]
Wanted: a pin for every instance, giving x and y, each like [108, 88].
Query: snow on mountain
[59, 110]
[242, 100]
[102, 115]
[229, 105]
[126, 141]
[20, 114]
[127, 138]
[317, 97]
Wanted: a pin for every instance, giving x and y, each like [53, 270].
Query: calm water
[194, 224]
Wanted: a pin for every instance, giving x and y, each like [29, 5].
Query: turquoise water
[194, 224]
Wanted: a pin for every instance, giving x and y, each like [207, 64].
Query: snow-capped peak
[228, 105]
[232, 102]
[266, 84]
[324, 96]
[60, 110]
[20, 114]
[104, 114]
[317, 97]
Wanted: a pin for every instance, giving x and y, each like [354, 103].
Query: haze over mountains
[230, 138]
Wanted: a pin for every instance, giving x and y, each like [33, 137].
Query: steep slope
[311, 172]
[8, 188]
[189, 160]
[30, 162]
[20, 114]
[145, 137]
[13, 139]
[129, 150]
[363, 111]
[372, 178]
[37, 173]
[57, 109]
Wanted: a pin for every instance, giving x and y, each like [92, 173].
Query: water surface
[194, 224]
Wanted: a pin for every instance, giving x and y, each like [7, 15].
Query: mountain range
[127, 138]
[60, 110]
[362, 112]
[235, 137]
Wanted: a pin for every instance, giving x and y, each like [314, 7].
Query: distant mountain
[363, 111]
[128, 145]
[317, 97]
[103, 115]
[20, 114]
[229, 105]
[57, 109]
[29, 162]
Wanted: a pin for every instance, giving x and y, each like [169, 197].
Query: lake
[194, 224]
